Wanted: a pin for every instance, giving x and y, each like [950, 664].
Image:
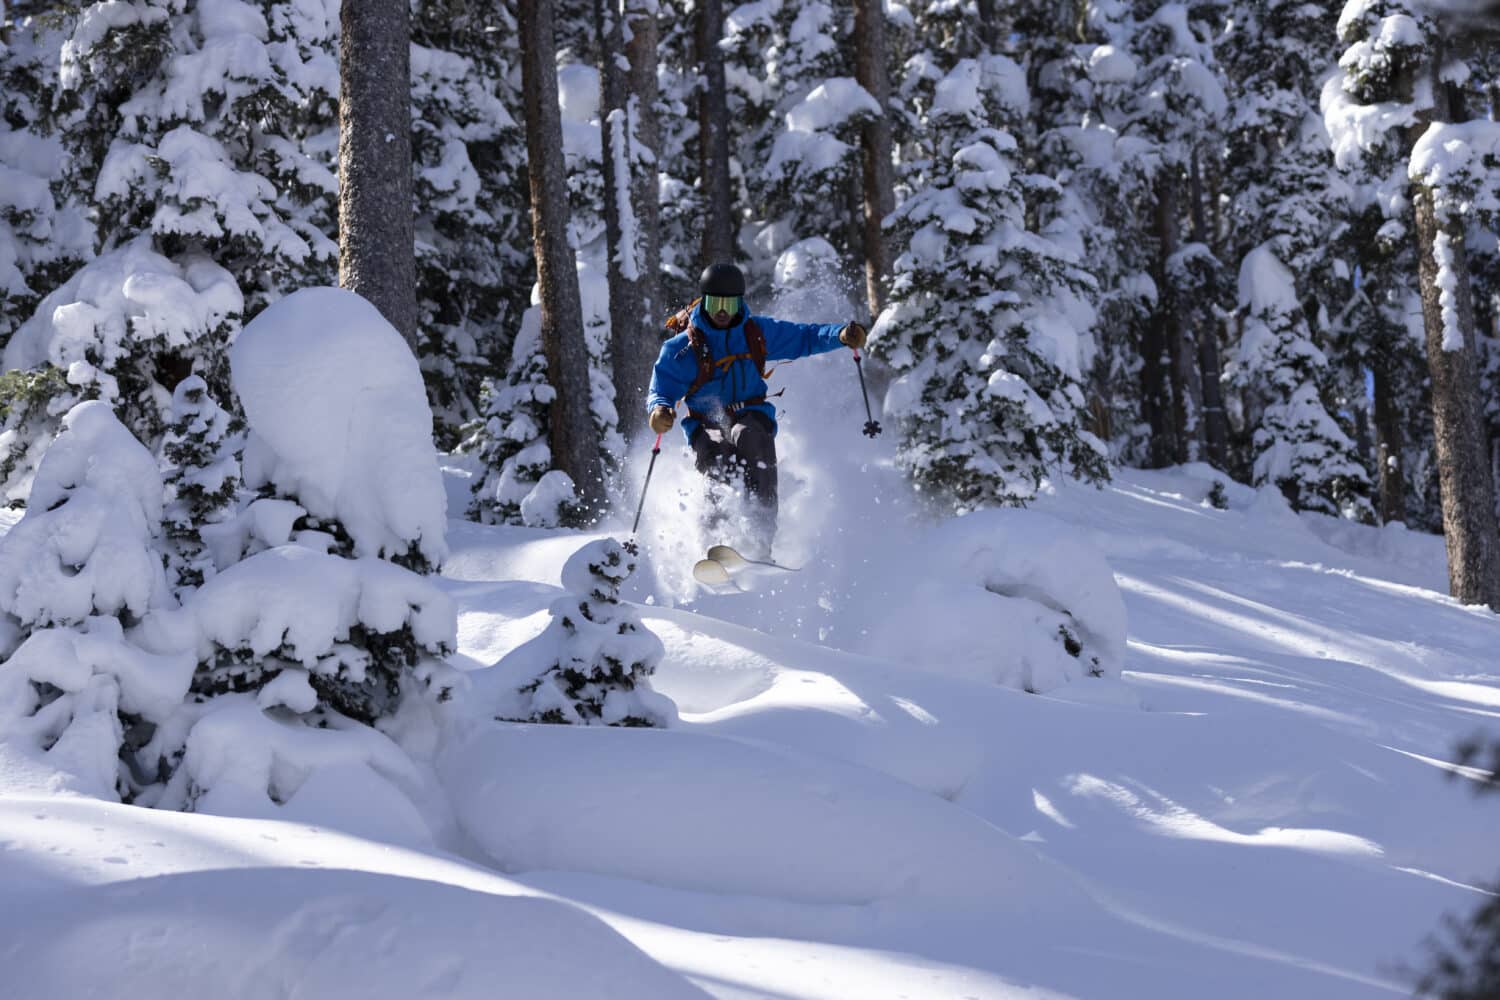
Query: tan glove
[662, 419]
[853, 336]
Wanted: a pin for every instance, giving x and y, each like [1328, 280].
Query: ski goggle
[715, 304]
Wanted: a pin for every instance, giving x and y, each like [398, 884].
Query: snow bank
[715, 815]
[339, 419]
[1010, 596]
[336, 935]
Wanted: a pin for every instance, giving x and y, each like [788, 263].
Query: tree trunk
[631, 356]
[376, 243]
[640, 48]
[713, 137]
[1215, 424]
[1178, 363]
[1470, 530]
[1390, 443]
[870, 60]
[571, 433]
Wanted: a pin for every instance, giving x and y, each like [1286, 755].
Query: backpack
[755, 339]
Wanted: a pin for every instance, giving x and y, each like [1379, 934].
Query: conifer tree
[1290, 205]
[988, 317]
[473, 234]
[76, 572]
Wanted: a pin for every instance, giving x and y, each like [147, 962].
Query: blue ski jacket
[677, 366]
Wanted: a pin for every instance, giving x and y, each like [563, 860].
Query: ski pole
[649, 469]
[872, 426]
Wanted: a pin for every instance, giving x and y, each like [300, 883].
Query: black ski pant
[745, 449]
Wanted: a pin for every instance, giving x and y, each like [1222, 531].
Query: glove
[662, 419]
[853, 336]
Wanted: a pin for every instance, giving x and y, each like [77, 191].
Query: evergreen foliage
[202, 479]
[986, 312]
[600, 657]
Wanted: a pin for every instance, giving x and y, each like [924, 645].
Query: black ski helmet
[721, 279]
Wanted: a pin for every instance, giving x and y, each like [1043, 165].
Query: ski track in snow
[1261, 806]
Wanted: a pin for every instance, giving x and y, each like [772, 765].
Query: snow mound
[702, 813]
[336, 935]
[1010, 596]
[339, 418]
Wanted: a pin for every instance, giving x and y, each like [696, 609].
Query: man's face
[721, 309]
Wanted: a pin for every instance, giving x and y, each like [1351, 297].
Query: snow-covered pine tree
[680, 200]
[77, 572]
[988, 320]
[121, 329]
[1298, 445]
[351, 501]
[201, 471]
[1288, 210]
[198, 134]
[598, 657]
[469, 176]
[1176, 102]
[41, 240]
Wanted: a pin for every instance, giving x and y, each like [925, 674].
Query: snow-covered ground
[1256, 808]
[859, 800]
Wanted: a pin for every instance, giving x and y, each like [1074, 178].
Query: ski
[735, 563]
[723, 564]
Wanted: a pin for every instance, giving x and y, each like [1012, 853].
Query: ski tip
[711, 573]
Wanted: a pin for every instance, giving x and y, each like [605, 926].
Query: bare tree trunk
[640, 48]
[1215, 424]
[1390, 442]
[713, 129]
[376, 242]
[870, 70]
[571, 433]
[631, 356]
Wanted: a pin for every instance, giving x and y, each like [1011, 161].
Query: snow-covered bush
[1009, 596]
[989, 319]
[76, 572]
[597, 656]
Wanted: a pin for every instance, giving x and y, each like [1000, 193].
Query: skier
[716, 363]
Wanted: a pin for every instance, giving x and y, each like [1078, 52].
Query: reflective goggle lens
[715, 304]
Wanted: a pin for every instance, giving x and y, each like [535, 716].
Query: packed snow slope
[853, 804]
